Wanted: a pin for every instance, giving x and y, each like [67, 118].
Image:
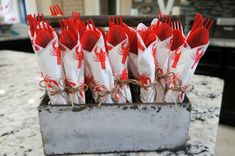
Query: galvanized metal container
[113, 127]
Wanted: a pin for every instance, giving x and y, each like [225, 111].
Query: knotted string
[53, 91]
[178, 87]
[105, 93]
[76, 89]
[102, 96]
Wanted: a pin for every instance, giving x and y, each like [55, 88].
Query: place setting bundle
[157, 62]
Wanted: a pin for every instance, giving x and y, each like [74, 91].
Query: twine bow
[54, 90]
[76, 89]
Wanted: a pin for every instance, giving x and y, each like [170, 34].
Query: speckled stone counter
[20, 95]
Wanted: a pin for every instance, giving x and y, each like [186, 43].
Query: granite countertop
[20, 95]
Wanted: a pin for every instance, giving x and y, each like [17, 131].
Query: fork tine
[121, 21]
[167, 19]
[56, 10]
[113, 19]
[61, 25]
[79, 15]
[170, 18]
[51, 10]
[207, 23]
[210, 25]
[117, 22]
[171, 25]
[60, 11]
[43, 21]
[88, 23]
[178, 25]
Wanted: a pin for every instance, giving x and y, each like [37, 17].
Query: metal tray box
[113, 127]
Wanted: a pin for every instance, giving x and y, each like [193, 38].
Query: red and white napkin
[146, 62]
[133, 53]
[72, 57]
[195, 54]
[97, 62]
[185, 58]
[164, 34]
[118, 49]
[46, 46]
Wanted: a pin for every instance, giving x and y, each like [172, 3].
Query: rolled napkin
[194, 56]
[146, 62]
[176, 62]
[164, 34]
[46, 46]
[73, 62]
[118, 48]
[185, 62]
[96, 58]
[133, 54]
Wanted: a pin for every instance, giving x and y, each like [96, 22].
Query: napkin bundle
[159, 57]
[118, 49]
[98, 70]
[72, 58]
[45, 43]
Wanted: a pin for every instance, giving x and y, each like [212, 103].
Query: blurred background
[218, 60]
